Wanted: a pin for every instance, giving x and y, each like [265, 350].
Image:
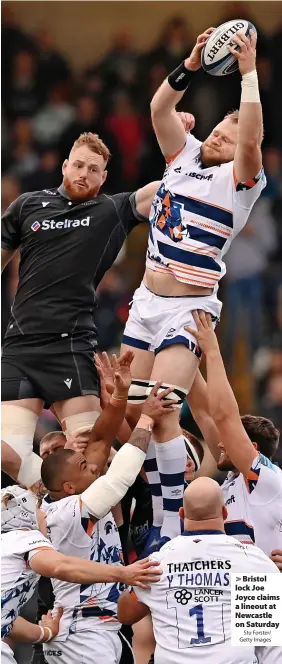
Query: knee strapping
[140, 390]
[79, 422]
[18, 427]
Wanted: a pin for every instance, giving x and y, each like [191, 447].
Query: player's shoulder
[118, 200]
[63, 508]
[265, 468]
[21, 541]
[192, 143]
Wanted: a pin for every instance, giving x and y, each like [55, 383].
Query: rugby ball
[216, 58]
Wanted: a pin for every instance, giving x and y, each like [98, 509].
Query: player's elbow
[125, 613]
[222, 414]
[155, 108]
[250, 147]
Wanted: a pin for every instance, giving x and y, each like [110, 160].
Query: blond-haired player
[206, 195]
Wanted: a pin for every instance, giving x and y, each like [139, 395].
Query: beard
[211, 157]
[224, 463]
[77, 193]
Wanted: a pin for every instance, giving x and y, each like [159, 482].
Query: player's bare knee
[18, 427]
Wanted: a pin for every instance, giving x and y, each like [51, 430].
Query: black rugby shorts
[49, 367]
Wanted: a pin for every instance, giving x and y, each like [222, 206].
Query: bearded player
[205, 198]
[68, 237]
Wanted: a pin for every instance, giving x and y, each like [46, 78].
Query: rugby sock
[171, 461]
[153, 475]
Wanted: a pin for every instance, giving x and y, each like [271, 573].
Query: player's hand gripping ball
[216, 58]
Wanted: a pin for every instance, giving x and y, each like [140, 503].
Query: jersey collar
[202, 532]
[47, 498]
[63, 192]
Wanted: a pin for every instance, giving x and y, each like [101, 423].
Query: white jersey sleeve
[264, 481]
[190, 144]
[26, 542]
[245, 194]
[18, 580]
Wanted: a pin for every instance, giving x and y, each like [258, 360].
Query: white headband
[192, 454]
[20, 510]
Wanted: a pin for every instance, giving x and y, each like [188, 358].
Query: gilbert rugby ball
[216, 58]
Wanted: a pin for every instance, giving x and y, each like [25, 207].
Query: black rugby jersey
[65, 249]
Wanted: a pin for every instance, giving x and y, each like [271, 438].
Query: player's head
[84, 171]
[195, 454]
[51, 442]
[66, 473]
[19, 510]
[220, 145]
[203, 505]
[262, 433]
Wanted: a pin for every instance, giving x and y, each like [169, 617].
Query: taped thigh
[18, 427]
[79, 422]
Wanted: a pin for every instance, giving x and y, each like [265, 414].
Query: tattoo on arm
[140, 438]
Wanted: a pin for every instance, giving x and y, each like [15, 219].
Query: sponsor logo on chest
[51, 224]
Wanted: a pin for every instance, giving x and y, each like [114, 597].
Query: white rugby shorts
[85, 647]
[156, 322]
[7, 655]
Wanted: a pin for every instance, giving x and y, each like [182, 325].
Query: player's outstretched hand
[187, 120]
[105, 370]
[142, 573]
[246, 55]
[122, 373]
[204, 332]
[194, 61]
[156, 406]
[106, 375]
[276, 556]
[52, 622]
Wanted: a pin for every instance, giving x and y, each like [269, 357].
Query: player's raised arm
[248, 157]
[197, 400]
[169, 129]
[223, 406]
[107, 425]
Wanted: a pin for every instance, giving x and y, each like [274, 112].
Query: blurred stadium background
[69, 67]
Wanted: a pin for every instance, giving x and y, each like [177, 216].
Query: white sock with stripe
[153, 475]
[171, 462]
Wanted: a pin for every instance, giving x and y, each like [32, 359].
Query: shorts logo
[68, 382]
[169, 335]
[35, 226]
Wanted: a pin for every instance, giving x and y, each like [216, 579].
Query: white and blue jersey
[254, 505]
[18, 580]
[191, 604]
[195, 215]
[90, 606]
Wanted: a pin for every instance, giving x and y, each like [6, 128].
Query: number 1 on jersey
[199, 613]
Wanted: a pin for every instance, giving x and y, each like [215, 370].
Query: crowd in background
[45, 106]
